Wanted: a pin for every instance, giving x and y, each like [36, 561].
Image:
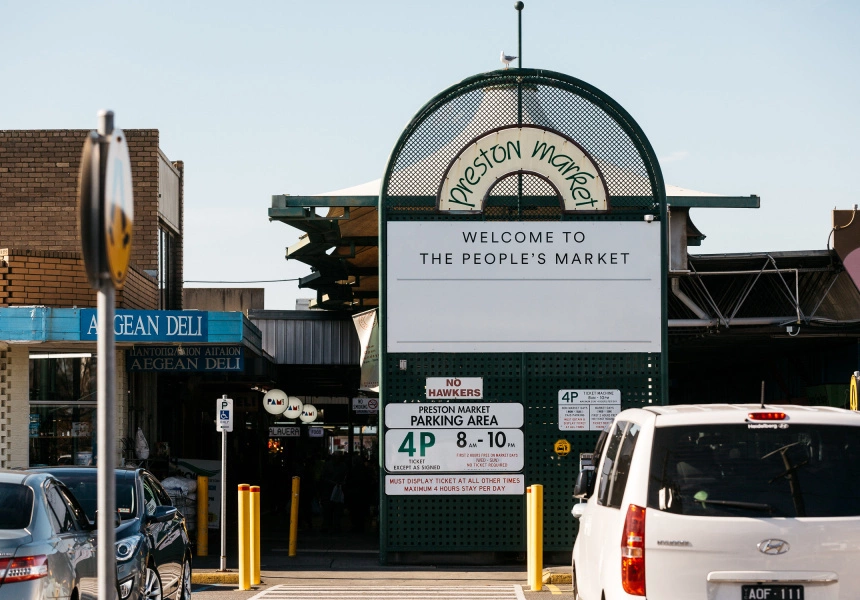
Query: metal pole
[519, 6]
[223, 501]
[106, 417]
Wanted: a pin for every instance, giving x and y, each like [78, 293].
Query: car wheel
[153, 589]
[185, 590]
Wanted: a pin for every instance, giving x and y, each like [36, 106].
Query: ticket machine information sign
[454, 450]
[587, 410]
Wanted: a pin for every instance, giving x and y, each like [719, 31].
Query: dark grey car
[153, 556]
[47, 545]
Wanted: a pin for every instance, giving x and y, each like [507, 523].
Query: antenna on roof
[762, 394]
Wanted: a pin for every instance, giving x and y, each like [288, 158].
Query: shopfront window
[62, 408]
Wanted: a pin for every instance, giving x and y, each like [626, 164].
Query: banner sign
[284, 432]
[186, 358]
[471, 285]
[508, 484]
[556, 159]
[367, 326]
[587, 410]
[439, 415]
[451, 450]
[150, 325]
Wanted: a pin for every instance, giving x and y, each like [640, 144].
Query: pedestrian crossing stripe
[305, 592]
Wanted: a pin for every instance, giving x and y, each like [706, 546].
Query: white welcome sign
[528, 149]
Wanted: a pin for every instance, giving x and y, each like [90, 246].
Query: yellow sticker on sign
[562, 447]
[119, 208]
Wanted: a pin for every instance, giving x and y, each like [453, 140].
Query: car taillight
[766, 416]
[23, 568]
[633, 551]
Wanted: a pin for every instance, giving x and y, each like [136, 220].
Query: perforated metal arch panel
[576, 111]
[497, 523]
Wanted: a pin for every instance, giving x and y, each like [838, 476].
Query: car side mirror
[584, 484]
[578, 510]
[162, 514]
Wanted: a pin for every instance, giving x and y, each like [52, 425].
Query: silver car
[47, 545]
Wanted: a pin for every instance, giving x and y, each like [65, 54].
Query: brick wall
[14, 406]
[38, 217]
[58, 279]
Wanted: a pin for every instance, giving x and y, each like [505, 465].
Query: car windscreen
[85, 488]
[16, 505]
[756, 470]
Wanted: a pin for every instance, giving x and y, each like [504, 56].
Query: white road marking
[305, 592]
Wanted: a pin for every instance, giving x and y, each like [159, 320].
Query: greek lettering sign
[439, 415]
[150, 325]
[213, 359]
[452, 450]
[556, 159]
[455, 387]
[587, 410]
[510, 484]
[473, 284]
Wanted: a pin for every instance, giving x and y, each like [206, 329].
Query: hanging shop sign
[454, 387]
[453, 450]
[464, 415]
[474, 283]
[275, 432]
[186, 358]
[150, 325]
[275, 402]
[509, 484]
[316, 432]
[367, 327]
[587, 410]
[556, 159]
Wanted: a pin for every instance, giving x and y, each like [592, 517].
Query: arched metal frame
[426, 147]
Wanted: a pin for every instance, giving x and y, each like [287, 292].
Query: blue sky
[261, 98]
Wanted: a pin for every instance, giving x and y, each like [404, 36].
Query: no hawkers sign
[454, 387]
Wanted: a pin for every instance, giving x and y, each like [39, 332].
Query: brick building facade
[41, 265]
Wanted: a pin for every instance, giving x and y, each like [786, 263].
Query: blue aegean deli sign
[150, 325]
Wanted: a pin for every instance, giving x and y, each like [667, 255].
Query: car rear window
[16, 505]
[756, 470]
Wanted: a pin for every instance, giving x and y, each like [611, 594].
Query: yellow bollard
[244, 537]
[529, 536]
[255, 535]
[294, 516]
[535, 557]
[202, 515]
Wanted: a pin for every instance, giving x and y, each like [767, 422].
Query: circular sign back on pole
[89, 211]
[119, 207]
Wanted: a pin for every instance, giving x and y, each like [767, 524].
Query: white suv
[722, 502]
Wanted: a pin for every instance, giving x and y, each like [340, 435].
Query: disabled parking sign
[224, 409]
